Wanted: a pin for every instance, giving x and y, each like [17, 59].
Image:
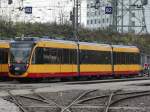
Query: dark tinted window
[69, 56]
[95, 57]
[54, 56]
[46, 56]
[3, 56]
[126, 58]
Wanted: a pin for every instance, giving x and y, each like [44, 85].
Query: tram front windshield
[20, 53]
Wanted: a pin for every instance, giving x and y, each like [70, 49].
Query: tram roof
[123, 46]
[72, 42]
[87, 43]
[119, 48]
[4, 44]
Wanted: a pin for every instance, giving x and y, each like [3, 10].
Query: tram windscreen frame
[20, 53]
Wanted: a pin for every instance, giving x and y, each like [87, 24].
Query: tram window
[59, 55]
[46, 56]
[130, 58]
[114, 58]
[83, 57]
[66, 55]
[3, 56]
[126, 58]
[73, 56]
[54, 56]
[95, 57]
[38, 56]
[50, 56]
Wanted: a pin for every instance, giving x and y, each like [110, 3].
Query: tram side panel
[53, 61]
[95, 60]
[95, 63]
[126, 61]
[45, 63]
[60, 61]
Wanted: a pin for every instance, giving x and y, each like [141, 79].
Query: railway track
[113, 98]
[15, 85]
[75, 82]
[107, 80]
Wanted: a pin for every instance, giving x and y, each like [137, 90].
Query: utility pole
[75, 32]
[122, 22]
[114, 4]
[130, 17]
[0, 19]
[0, 11]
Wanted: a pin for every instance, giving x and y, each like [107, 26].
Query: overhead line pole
[75, 33]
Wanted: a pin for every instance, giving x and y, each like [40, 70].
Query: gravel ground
[64, 98]
[6, 106]
[64, 94]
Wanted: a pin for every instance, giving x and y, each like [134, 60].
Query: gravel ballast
[6, 106]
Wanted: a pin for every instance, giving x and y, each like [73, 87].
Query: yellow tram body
[126, 68]
[66, 65]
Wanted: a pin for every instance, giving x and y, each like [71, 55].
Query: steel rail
[110, 99]
[74, 101]
[14, 100]
[78, 101]
[130, 97]
[108, 80]
[48, 101]
[103, 96]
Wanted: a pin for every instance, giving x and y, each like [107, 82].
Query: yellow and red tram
[44, 58]
[4, 51]
[126, 60]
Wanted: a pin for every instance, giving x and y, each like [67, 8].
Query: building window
[88, 14]
[88, 6]
[91, 21]
[99, 21]
[95, 13]
[99, 12]
[103, 20]
[133, 14]
[87, 21]
[95, 21]
[107, 20]
[133, 23]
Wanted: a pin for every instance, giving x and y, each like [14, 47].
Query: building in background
[96, 15]
[127, 15]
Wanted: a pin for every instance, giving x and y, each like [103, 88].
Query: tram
[48, 58]
[4, 51]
